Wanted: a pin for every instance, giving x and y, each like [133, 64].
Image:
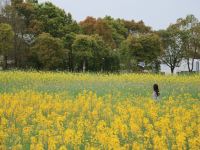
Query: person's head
[156, 89]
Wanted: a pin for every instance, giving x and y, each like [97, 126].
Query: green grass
[72, 84]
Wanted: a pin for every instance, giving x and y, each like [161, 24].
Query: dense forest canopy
[42, 36]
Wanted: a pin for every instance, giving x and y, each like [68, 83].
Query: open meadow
[46, 110]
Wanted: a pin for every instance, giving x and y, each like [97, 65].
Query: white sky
[156, 13]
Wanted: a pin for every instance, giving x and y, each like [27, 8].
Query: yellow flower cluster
[18, 76]
[36, 121]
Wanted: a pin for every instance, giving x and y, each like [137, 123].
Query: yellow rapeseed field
[30, 119]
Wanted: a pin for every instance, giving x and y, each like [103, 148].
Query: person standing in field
[156, 92]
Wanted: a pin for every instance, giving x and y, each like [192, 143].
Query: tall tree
[151, 48]
[119, 31]
[145, 48]
[99, 26]
[49, 51]
[136, 27]
[100, 54]
[6, 40]
[127, 53]
[11, 16]
[103, 29]
[88, 25]
[190, 27]
[172, 45]
[83, 47]
[54, 20]
[68, 42]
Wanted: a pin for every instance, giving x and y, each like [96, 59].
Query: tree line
[42, 36]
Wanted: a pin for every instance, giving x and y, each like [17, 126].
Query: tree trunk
[192, 64]
[15, 49]
[194, 56]
[188, 64]
[16, 61]
[5, 66]
[172, 70]
[84, 66]
[71, 65]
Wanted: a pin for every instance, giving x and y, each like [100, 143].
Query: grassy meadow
[46, 110]
[71, 84]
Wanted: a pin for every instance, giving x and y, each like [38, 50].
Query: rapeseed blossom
[32, 120]
[38, 112]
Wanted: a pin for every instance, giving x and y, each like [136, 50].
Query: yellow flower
[111, 121]
[69, 136]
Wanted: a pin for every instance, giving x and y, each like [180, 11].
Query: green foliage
[6, 39]
[172, 44]
[93, 54]
[94, 44]
[49, 51]
[136, 27]
[190, 32]
[27, 10]
[127, 49]
[83, 49]
[53, 19]
[68, 40]
[181, 41]
[144, 48]
[151, 48]
[119, 31]
[104, 59]
[83, 45]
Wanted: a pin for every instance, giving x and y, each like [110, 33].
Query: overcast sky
[156, 13]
